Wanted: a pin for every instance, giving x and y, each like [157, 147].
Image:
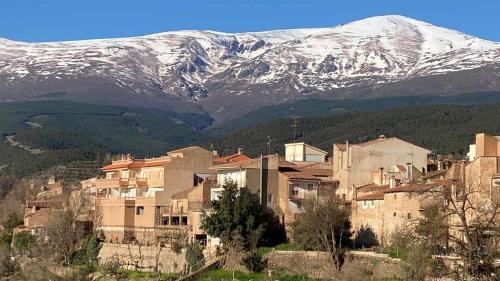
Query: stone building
[360, 164]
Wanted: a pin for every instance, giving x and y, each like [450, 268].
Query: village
[137, 207]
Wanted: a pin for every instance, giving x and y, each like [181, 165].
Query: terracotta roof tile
[231, 158]
[182, 194]
[373, 196]
[299, 175]
[372, 188]
[416, 187]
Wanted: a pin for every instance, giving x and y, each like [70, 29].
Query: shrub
[88, 252]
[23, 242]
[177, 246]
[194, 256]
[254, 262]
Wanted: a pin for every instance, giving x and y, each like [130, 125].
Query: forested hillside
[441, 128]
[81, 137]
[59, 133]
[316, 107]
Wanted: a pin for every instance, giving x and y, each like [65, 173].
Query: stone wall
[358, 266]
[143, 257]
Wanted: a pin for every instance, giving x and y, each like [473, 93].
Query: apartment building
[282, 185]
[134, 200]
[360, 164]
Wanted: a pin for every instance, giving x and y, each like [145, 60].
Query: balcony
[121, 183]
[199, 205]
[301, 196]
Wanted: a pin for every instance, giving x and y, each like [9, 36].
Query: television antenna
[269, 141]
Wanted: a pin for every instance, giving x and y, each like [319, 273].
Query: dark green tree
[237, 218]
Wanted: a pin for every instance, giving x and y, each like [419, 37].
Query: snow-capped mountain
[229, 74]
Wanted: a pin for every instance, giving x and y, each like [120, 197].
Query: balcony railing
[170, 210]
[199, 205]
[121, 182]
[302, 196]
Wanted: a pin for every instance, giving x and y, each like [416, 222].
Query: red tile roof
[416, 187]
[142, 164]
[116, 166]
[182, 194]
[231, 158]
[372, 188]
[373, 196]
[299, 175]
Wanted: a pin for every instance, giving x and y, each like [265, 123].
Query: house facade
[134, 198]
[356, 165]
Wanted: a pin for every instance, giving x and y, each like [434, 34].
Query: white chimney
[240, 151]
[381, 176]
[347, 154]
[409, 171]
[392, 182]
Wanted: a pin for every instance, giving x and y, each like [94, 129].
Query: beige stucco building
[360, 164]
[135, 198]
[282, 185]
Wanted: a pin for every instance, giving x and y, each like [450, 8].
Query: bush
[254, 262]
[88, 252]
[23, 242]
[194, 256]
[177, 246]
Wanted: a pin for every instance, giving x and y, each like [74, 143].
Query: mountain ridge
[230, 74]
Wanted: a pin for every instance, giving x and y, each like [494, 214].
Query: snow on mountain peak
[189, 63]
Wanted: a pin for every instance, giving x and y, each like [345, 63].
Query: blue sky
[54, 20]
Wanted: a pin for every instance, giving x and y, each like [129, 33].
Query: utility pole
[268, 142]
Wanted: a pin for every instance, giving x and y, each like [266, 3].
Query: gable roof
[299, 175]
[380, 140]
[231, 158]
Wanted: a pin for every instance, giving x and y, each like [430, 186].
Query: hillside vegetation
[316, 107]
[441, 128]
[76, 133]
[79, 138]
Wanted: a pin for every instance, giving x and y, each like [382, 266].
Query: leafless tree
[67, 230]
[468, 216]
[324, 225]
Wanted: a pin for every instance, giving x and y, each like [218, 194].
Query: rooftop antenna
[268, 142]
[295, 122]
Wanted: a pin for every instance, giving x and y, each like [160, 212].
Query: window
[409, 216]
[372, 204]
[365, 204]
[310, 186]
[395, 196]
[270, 198]
[139, 210]
[394, 214]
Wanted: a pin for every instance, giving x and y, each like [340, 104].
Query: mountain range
[227, 75]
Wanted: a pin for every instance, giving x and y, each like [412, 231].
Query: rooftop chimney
[215, 153]
[381, 176]
[240, 151]
[392, 182]
[409, 171]
[347, 154]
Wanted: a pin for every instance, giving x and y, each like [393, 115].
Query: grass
[227, 275]
[261, 251]
[287, 247]
[397, 253]
[145, 275]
